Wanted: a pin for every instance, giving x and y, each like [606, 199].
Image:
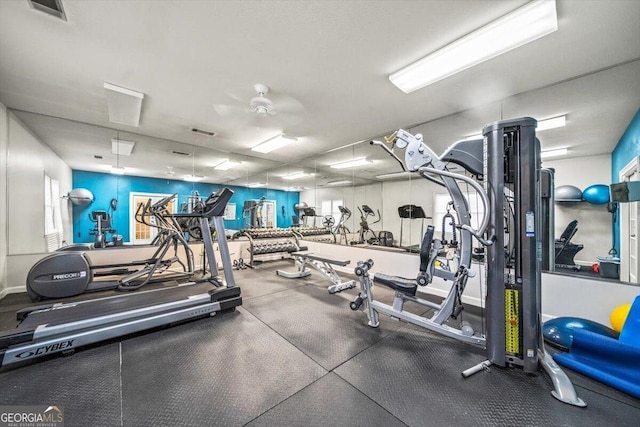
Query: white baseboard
[12, 290]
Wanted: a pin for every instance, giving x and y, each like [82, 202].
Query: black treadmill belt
[104, 306]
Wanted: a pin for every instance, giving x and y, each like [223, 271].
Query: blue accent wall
[627, 149]
[106, 186]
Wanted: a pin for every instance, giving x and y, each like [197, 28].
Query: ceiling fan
[259, 105]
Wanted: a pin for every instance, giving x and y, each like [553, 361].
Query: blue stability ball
[559, 331]
[597, 194]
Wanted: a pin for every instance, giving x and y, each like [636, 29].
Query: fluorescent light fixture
[552, 123]
[193, 178]
[274, 143]
[125, 105]
[226, 165]
[296, 188]
[526, 24]
[120, 147]
[340, 182]
[393, 175]
[294, 175]
[256, 184]
[117, 170]
[553, 153]
[351, 163]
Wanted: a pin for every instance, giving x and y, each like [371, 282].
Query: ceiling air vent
[52, 7]
[203, 132]
[180, 153]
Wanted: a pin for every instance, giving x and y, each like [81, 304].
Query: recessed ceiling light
[526, 24]
[226, 165]
[351, 163]
[552, 123]
[274, 143]
[294, 175]
[546, 124]
[553, 153]
[340, 182]
[393, 175]
[193, 178]
[256, 184]
[117, 170]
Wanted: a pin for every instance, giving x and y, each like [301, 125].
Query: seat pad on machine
[400, 284]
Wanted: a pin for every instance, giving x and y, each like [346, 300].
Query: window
[330, 207]
[53, 231]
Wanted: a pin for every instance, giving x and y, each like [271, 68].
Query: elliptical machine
[366, 234]
[341, 229]
[69, 273]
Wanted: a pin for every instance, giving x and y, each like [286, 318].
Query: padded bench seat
[400, 284]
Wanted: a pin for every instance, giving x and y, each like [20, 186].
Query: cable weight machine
[507, 160]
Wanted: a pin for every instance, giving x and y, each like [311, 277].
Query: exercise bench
[321, 263]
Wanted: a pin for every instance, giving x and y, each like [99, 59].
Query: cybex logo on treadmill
[45, 349]
[73, 275]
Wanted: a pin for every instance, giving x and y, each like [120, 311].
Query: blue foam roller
[605, 359]
[559, 331]
[630, 333]
[596, 194]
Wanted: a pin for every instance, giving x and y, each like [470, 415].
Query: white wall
[4, 144]
[594, 222]
[27, 160]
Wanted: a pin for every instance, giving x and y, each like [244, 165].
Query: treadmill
[63, 327]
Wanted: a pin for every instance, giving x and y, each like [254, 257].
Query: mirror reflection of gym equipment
[411, 212]
[260, 213]
[105, 234]
[341, 229]
[365, 233]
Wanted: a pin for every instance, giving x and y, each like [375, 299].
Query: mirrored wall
[372, 204]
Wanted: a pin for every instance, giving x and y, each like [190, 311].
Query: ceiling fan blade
[226, 109]
[288, 104]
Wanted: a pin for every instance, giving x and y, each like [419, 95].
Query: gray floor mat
[330, 402]
[85, 385]
[319, 324]
[415, 375]
[221, 371]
